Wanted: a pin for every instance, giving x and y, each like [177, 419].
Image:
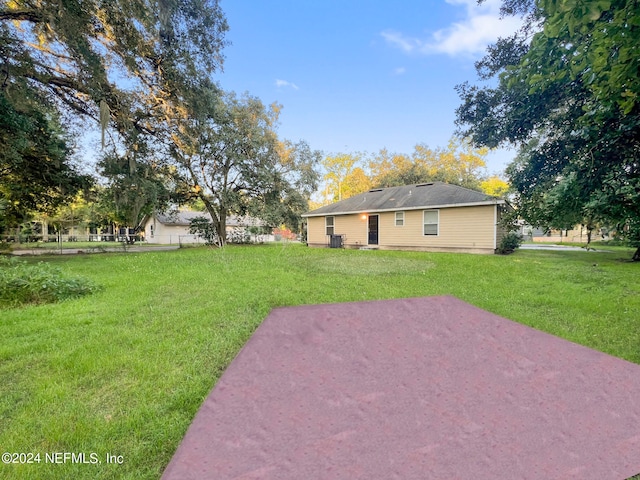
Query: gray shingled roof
[183, 218]
[408, 197]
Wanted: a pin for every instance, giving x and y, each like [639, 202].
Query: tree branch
[32, 16]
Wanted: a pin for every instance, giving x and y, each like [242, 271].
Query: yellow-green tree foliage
[495, 186]
[460, 164]
[348, 174]
[343, 177]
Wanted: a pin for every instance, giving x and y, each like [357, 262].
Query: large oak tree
[126, 64]
[567, 93]
[225, 151]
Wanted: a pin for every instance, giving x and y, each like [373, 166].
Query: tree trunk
[636, 256]
[222, 227]
[131, 239]
[215, 217]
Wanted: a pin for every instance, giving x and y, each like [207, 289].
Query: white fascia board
[405, 209]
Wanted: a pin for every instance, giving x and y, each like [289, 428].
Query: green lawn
[124, 370]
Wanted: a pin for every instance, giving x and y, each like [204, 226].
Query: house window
[151, 229]
[399, 219]
[431, 222]
[328, 223]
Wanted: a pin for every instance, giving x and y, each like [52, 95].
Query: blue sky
[356, 76]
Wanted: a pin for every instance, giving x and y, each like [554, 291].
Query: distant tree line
[348, 174]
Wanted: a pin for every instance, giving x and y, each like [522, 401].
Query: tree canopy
[124, 64]
[495, 186]
[226, 153]
[459, 163]
[344, 177]
[348, 174]
[144, 71]
[567, 95]
[133, 55]
[36, 171]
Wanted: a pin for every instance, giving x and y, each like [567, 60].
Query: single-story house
[173, 228]
[431, 216]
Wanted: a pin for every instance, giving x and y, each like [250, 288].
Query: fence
[168, 239]
[52, 238]
[194, 239]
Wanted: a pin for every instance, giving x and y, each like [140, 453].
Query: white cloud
[399, 71]
[398, 40]
[284, 83]
[471, 36]
[480, 27]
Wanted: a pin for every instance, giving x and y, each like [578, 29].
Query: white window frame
[401, 219]
[327, 226]
[437, 223]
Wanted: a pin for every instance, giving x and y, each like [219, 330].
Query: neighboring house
[578, 234]
[46, 232]
[42, 230]
[173, 228]
[430, 216]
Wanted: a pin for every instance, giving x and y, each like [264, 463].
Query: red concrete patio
[422, 388]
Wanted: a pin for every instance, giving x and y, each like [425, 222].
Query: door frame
[377, 231]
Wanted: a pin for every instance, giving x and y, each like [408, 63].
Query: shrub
[22, 283]
[239, 236]
[203, 227]
[509, 243]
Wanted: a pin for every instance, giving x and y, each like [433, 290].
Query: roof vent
[424, 184]
[375, 190]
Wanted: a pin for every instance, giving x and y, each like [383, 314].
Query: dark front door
[373, 229]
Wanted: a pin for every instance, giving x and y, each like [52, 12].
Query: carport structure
[421, 388]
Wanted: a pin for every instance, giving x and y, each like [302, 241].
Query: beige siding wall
[352, 227]
[462, 227]
[316, 232]
[459, 228]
